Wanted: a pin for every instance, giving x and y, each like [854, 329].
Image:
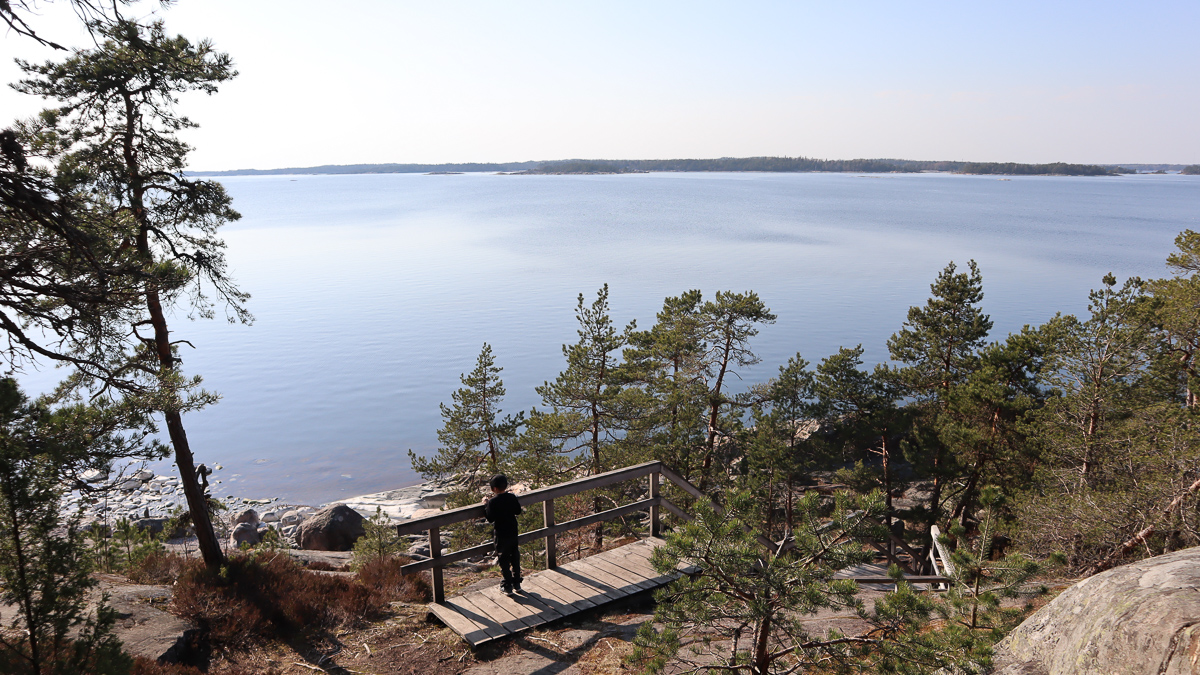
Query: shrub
[384, 578]
[145, 666]
[156, 567]
[378, 542]
[254, 598]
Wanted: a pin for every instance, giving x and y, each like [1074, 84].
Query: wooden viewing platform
[558, 591]
[587, 583]
[549, 595]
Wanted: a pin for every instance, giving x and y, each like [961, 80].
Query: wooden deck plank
[620, 585]
[548, 595]
[632, 571]
[583, 587]
[636, 581]
[552, 581]
[499, 614]
[646, 547]
[471, 631]
[464, 606]
[544, 609]
[634, 562]
[525, 613]
[583, 578]
[638, 566]
[568, 601]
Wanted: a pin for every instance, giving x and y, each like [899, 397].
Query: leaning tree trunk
[206, 537]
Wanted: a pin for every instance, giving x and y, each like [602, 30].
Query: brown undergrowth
[263, 596]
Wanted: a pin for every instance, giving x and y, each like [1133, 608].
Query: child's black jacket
[502, 510]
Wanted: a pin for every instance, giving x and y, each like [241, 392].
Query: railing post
[551, 546]
[654, 526]
[435, 552]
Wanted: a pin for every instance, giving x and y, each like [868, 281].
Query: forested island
[733, 164]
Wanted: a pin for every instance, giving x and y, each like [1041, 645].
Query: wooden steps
[549, 595]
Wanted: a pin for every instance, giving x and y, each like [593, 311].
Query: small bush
[378, 541]
[253, 599]
[145, 666]
[157, 567]
[384, 578]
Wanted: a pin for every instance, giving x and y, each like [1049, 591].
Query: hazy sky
[443, 81]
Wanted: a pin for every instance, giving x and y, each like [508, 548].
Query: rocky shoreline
[148, 499]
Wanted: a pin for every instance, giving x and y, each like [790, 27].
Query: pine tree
[987, 424]
[857, 412]
[728, 322]
[586, 413]
[938, 349]
[114, 135]
[1099, 366]
[777, 446]
[45, 566]
[742, 608]
[474, 439]
[1175, 315]
[664, 371]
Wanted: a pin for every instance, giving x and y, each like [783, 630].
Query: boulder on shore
[333, 528]
[245, 533]
[1143, 617]
[248, 516]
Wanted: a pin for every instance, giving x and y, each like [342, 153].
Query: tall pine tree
[938, 348]
[474, 440]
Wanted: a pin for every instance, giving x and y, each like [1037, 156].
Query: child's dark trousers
[509, 559]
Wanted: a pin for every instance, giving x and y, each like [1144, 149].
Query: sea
[372, 294]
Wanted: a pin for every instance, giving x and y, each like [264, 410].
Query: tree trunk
[762, 651]
[210, 548]
[26, 599]
[887, 489]
[597, 503]
[714, 417]
[206, 537]
[1140, 537]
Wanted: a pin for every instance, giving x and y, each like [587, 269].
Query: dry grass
[159, 567]
[383, 577]
[254, 599]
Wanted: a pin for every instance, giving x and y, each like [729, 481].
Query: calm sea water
[373, 293]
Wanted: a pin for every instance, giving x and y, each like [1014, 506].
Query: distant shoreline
[724, 164]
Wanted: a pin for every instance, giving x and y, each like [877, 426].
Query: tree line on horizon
[730, 164]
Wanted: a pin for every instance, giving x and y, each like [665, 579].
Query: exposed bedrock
[1139, 618]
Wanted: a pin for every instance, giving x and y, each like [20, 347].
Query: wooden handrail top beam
[910, 578]
[532, 497]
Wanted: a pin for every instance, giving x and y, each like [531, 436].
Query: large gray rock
[247, 516]
[245, 533]
[333, 528]
[1140, 618]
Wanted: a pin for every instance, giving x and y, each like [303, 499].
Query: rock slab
[1141, 618]
[333, 528]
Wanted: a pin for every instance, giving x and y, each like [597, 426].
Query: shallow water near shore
[372, 293]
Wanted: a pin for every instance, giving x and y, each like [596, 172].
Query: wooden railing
[939, 559]
[550, 528]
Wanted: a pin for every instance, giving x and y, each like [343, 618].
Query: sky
[377, 81]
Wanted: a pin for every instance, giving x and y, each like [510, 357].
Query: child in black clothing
[502, 509]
